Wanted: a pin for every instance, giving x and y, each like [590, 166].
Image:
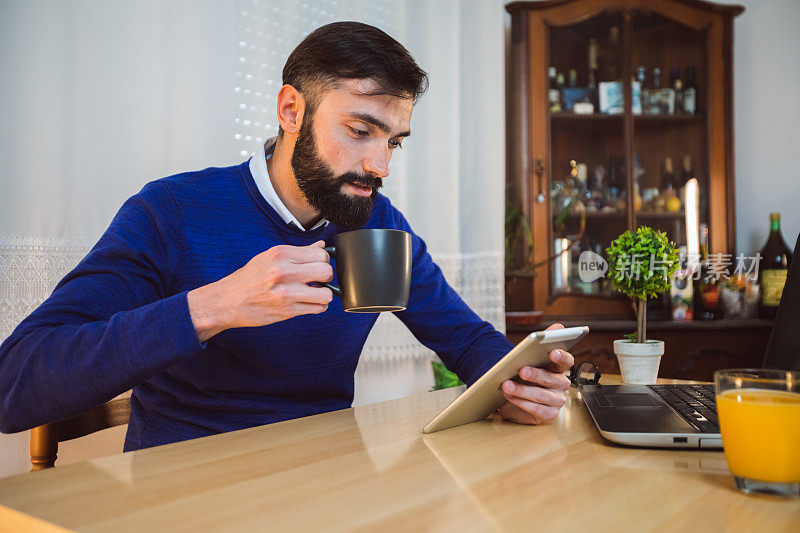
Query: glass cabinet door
[588, 178]
[670, 140]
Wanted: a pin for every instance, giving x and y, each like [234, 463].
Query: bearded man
[203, 295]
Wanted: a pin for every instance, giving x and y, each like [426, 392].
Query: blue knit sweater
[120, 320]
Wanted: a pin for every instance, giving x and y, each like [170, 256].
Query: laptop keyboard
[695, 403]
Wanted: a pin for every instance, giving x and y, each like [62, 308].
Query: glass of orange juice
[759, 418]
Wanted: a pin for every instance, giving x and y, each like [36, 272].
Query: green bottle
[774, 267]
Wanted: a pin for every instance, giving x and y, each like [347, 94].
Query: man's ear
[291, 108]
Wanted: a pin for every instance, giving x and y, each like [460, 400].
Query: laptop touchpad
[631, 400]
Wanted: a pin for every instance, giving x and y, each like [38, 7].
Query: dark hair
[352, 50]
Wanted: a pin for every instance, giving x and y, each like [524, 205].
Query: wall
[767, 119]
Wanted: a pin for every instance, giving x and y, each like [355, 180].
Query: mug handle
[336, 290]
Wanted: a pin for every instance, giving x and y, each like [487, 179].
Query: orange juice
[761, 433]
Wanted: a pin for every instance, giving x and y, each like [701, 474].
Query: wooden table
[370, 469]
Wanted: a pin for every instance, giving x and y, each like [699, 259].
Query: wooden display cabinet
[542, 143]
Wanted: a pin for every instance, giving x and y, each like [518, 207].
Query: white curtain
[101, 96]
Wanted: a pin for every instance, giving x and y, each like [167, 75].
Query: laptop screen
[783, 351]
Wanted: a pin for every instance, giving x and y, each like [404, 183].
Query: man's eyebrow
[370, 119]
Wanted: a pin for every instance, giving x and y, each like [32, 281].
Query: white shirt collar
[258, 168]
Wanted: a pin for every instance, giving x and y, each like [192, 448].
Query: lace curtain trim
[30, 267]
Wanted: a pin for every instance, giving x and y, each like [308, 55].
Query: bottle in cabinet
[681, 293]
[656, 78]
[609, 59]
[615, 192]
[572, 82]
[560, 89]
[597, 201]
[774, 267]
[661, 100]
[594, 70]
[687, 173]
[689, 92]
[706, 286]
[670, 188]
[677, 88]
[650, 101]
[667, 186]
[554, 95]
[641, 77]
[638, 173]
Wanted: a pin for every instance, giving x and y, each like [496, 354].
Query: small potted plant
[640, 266]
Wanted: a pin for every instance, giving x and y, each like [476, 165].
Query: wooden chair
[45, 439]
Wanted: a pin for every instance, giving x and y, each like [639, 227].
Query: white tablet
[485, 395]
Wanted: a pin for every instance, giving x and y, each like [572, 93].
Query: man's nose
[377, 164]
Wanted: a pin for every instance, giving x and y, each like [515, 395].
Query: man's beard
[323, 190]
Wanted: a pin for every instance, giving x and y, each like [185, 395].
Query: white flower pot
[639, 361]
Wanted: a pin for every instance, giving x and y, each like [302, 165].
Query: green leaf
[564, 213]
[526, 230]
[512, 214]
[444, 378]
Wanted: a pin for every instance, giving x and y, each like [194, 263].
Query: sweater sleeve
[109, 325]
[440, 319]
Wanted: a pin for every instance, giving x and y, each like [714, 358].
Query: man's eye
[395, 144]
[360, 133]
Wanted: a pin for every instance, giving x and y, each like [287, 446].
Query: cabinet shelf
[668, 119]
[616, 215]
[661, 214]
[566, 116]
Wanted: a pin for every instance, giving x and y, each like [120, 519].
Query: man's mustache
[361, 180]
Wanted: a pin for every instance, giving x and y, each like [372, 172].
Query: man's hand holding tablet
[539, 395]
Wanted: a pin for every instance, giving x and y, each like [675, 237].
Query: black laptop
[685, 416]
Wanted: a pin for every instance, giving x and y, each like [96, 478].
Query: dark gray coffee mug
[373, 267]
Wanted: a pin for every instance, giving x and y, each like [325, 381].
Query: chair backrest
[45, 439]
